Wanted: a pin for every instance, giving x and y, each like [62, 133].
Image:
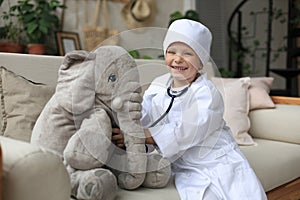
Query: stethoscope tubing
[173, 96]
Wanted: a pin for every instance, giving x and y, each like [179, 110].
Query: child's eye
[188, 54]
[170, 52]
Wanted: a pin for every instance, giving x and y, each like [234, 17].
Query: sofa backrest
[43, 68]
[38, 68]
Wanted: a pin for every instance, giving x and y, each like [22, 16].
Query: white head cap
[192, 33]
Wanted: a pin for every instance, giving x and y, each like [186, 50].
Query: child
[206, 161]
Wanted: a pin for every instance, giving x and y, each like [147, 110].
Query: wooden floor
[289, 191]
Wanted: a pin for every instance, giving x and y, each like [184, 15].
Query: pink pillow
[235, 92]
[259, 93]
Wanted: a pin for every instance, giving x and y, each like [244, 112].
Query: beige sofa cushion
[21, 103]
[280, 124]
[142, 193]
[31, 173]
[259, 93]
[274, 162]
[236, 106]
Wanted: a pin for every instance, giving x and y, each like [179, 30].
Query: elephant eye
[112, 78]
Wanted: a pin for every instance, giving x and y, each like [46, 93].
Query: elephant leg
[94, 184]
[158, 171]
[90, 147]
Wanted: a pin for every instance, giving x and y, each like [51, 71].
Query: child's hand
[117, 137]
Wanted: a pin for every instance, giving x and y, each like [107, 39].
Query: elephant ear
[74, 57]
[75, 90]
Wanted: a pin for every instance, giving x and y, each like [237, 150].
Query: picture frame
[67, 41]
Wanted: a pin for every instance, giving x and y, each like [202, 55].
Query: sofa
[30, 172]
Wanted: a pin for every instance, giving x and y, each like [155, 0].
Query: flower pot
[36, 49]
[11, 47]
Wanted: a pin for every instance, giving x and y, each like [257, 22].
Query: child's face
[183, 63]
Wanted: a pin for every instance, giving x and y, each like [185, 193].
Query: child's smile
[179, 68]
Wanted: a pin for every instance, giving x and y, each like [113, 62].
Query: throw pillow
[235, 94]
[21, 103]
[259, 93]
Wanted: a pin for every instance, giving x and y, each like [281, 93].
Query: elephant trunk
[134, 140]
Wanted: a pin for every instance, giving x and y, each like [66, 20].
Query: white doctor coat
[194, 137]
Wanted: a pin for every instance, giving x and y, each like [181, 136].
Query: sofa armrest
[280, 123]
[286, 100]
[32, 173]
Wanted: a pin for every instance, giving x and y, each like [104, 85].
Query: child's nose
[178, 58]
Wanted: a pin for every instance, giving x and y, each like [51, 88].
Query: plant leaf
[31, 28]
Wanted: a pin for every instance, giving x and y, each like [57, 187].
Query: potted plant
[11, 30]
[40, 21]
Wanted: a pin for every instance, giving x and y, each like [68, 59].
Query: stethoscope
[173, 96]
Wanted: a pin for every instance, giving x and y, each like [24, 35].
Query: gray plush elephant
[95, 92]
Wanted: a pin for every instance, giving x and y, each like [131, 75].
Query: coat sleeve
[201, 116]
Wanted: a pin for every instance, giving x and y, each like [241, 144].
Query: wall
[215, 14]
